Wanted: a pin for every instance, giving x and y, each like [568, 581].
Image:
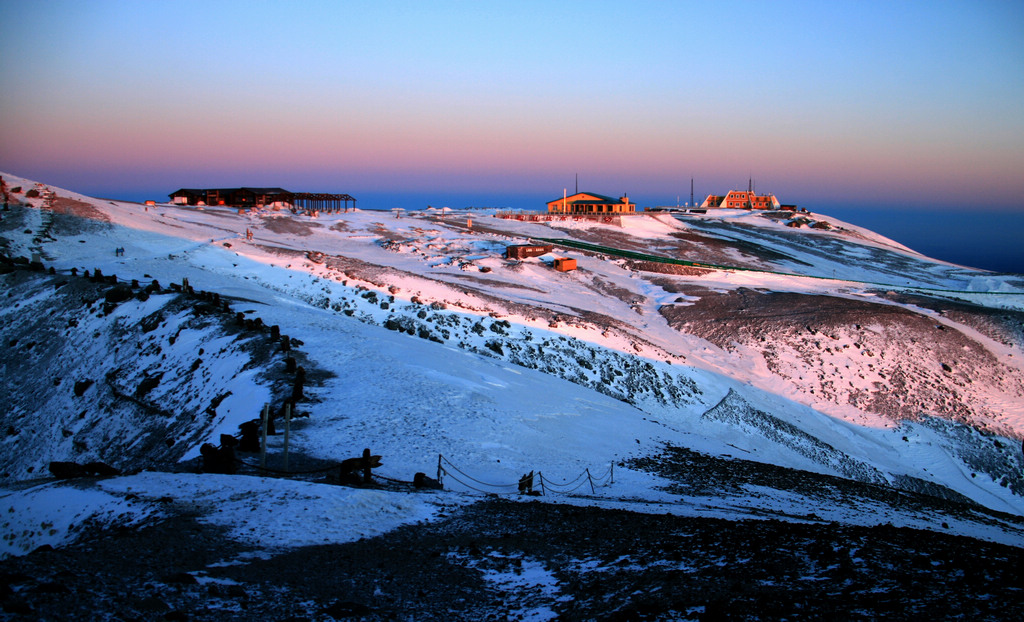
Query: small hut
[564, 264]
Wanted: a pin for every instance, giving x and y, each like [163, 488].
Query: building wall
[587, 203]
[738, 199]
[563, 264]
[522, 251]
[239, 197]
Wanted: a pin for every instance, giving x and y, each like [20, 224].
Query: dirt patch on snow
[667, 268]
[289, 225]
[607, 288]
[694, 246]
[745, 310]
[280, 251]
[495, 282]
[64, 205]
[1003, 325]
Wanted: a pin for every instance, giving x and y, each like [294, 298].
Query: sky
[825, 104]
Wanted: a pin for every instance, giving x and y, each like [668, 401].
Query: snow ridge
[737, 412]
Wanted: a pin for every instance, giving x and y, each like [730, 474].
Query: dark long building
[252, 197]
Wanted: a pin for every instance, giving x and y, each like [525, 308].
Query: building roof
[263, 190]
[230, 190]
[598, 198]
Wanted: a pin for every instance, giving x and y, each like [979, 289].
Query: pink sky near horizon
[896, 100]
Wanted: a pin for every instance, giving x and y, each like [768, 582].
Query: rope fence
[333, 467]
[525, 485]
[446, 469]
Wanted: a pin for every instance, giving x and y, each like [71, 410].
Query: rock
[102, 469]
[82, 386]
[237, 591]
[53, 587]
[219, 459]
[420, 480]
[153, 604]
[148, 384]
[70, 470]
[181, 578]
[17, 606]
[341, 610]
[67, 470]
[250, 436]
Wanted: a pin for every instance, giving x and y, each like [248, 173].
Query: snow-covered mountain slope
[133, 383]
[833, 351]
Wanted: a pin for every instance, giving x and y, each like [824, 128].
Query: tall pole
[692, 204]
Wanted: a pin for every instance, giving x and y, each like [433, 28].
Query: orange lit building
[563, 264]
[590, 203]
[738, 199]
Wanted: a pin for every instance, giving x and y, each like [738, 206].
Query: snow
[53, 513]
[523, 581]
[414, 400]
[270, 514]
[279, 513]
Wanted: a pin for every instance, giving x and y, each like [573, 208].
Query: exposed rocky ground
[502, 560]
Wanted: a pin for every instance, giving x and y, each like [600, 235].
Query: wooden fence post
[439, 469]
[366, 466]
[589, 479]
[287, 430]
[263, 436]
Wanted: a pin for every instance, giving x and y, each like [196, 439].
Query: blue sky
[914, 104]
